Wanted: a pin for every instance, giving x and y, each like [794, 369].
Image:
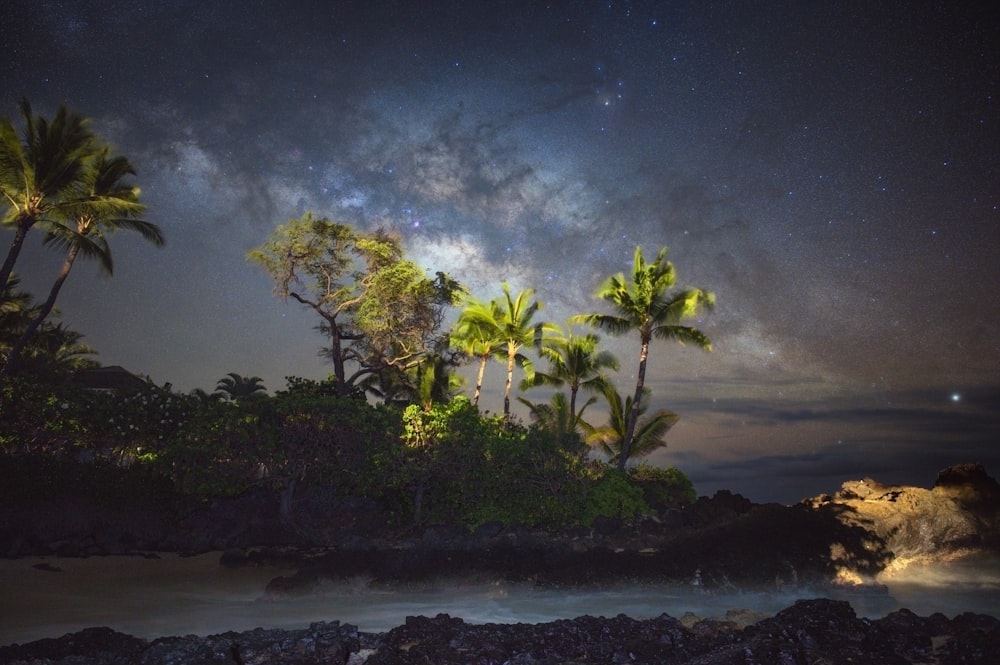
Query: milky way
[831, 173]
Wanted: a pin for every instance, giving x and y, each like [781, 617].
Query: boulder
[962, 511]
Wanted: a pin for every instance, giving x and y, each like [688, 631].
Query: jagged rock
[970, 485]
[813, 631]
[851, 536]
[961, 511]
[321, 643]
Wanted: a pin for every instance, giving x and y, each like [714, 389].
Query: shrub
[663, 488]
[613, 495]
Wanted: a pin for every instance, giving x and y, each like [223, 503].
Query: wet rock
[321, 643]
[812, 631]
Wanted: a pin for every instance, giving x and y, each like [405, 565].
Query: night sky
[828, 169]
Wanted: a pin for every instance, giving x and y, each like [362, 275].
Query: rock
[811, 631]
[968, 484]
[962, 511]
[321, 643]
[93, 646]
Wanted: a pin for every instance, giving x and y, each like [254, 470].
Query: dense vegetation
[445, 464]
[390, 424]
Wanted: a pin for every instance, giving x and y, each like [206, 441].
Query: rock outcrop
[815, 631]
[961, 512]
[852, 536]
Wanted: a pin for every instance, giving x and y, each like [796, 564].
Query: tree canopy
[380, 310]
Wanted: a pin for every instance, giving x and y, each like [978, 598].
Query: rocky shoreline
[808, 632]
[721, 542]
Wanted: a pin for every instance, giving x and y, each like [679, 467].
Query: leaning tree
[41, 173]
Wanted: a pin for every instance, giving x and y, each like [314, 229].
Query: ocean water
[172, 595]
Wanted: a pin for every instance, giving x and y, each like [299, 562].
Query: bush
[613, 495]
[663, 488]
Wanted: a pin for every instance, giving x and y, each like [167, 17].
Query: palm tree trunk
[479, 379]
[46, 309]
[15, 249]
[633, 413]
[511, 355]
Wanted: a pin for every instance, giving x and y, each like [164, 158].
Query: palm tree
[508, 323]
[237, 387]
[649, 304]
[574, 361]
[16, 309]
[54, 349]
[435, 379]
[474, 339]
[40, 177]
[203, 397]
[111, 206]
[558, 418]
[648, 434]
[57, 351]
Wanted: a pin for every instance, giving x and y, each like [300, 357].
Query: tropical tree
[379, 309]
[41, 173]
[432, 380]
[475, 339]
[237, 387]
[575, 362]
[647, 302]
[436, 380]
[648, 435]
[203, 397]
[54, 350]
[559, 419]
[16, 310]
[508, 323]
[110, 205]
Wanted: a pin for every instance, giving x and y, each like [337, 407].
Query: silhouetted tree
[237, 387]
[41, 173]
[110, 206]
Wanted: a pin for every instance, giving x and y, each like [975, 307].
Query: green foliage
[649, 435]
[647, 302]
[474, 469]
[663, 488]
[227, 448]
[62, 419]
[41, 418]
[503, 327]
[379, 309]
[613, 495]
[220, 451]
[442, 463]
